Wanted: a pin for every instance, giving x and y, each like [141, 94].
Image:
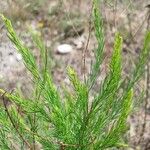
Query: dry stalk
[141, 138]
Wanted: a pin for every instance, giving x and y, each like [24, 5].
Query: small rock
[11, 60]
[1, 76]
[48, 44]
[79, 42]
[64, 49]
[18, 57]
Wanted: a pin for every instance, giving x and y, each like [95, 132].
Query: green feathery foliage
[71, 121]
[99, 34]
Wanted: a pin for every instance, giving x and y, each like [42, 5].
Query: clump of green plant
[49, 120]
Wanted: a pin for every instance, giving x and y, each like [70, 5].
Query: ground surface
[67, 22]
